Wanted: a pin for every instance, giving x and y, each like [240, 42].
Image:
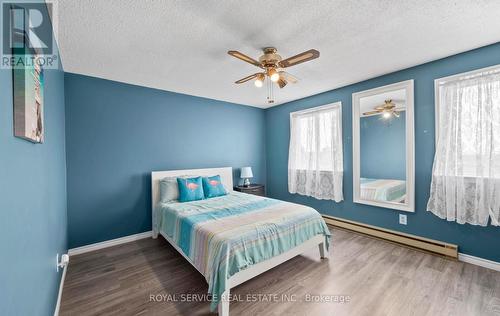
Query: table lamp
[246, 174]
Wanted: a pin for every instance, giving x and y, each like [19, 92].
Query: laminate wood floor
[370, 276]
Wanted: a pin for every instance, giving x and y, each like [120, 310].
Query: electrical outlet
[62, 262]
[402, 219]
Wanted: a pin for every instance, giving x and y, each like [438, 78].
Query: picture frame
[28, 93]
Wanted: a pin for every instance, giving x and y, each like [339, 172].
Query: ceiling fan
[272, 66]
[387, 109]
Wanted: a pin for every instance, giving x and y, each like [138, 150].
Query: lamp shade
[246, 172]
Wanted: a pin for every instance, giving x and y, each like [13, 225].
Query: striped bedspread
[383, 189]
[224, 235]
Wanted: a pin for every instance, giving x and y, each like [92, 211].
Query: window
[466, 174]
[315, 166]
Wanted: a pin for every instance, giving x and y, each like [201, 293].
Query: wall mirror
[383, 147]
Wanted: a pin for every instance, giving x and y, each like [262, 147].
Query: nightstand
[255, 189]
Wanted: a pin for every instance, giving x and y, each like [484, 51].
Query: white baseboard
[479, 261]
[109, 243]
[61, 286]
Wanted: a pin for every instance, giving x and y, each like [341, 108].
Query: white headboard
[226, 175]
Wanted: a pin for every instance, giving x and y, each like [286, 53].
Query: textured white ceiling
[182, 46]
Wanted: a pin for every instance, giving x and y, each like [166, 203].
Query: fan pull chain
[267, 88]
[270, 91]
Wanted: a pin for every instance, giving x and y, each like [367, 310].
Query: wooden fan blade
[282, 83]
[244, 57]
[248, 78]
[300, 58]
[288, 77]
[371, 112]
[386, 106]
[398, 100]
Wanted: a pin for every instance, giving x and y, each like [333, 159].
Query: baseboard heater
[428, 245]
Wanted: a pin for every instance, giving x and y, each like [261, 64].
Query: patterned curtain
[315, 165]
[466, 173]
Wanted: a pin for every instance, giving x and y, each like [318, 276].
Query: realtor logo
[28, 35]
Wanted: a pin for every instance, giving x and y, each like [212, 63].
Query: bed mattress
[383, 189]
[224, 235]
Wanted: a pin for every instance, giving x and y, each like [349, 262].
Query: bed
[233, 238]
[383, 189]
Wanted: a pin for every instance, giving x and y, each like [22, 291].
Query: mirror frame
[409, 206]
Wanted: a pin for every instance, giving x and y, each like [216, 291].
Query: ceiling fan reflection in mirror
[272, 66]
[387, 110]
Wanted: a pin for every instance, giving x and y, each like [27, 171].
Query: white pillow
[169, 190]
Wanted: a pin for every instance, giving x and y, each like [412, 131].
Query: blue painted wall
[32, 204]
[116, 134]
[383, 147]
[473, 240]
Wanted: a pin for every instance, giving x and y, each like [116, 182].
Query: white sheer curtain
[466, 174]
[315, 165]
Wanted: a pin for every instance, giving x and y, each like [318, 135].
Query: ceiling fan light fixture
[273, 75]
[386, 115]
[259, 82]
[271, 65]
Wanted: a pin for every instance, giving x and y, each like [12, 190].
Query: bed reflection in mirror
[383, 147]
